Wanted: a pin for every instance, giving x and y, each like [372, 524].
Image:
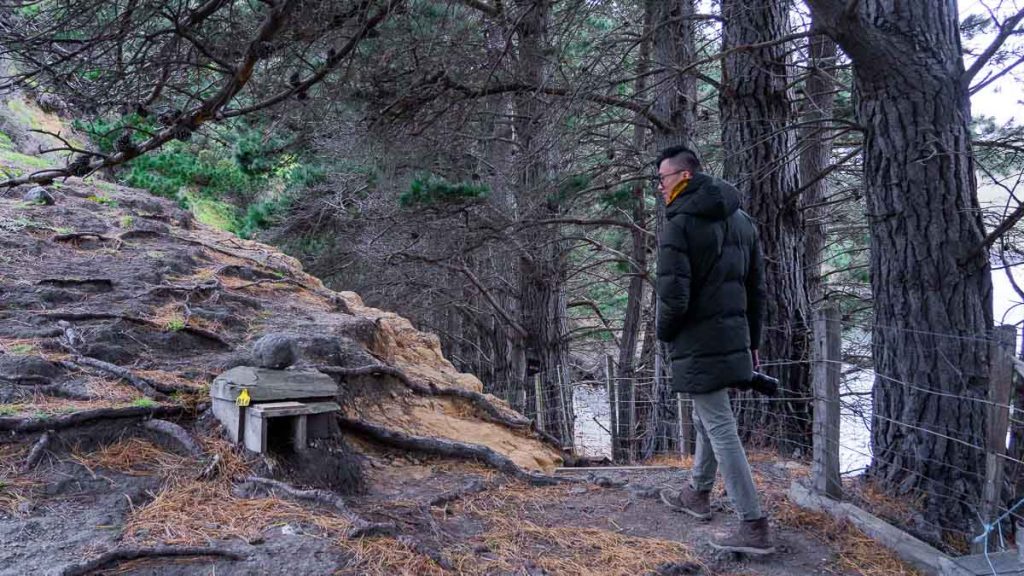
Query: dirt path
[612, 523]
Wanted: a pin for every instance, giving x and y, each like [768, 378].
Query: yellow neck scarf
[677, 190]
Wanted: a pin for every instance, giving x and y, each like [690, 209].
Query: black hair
[680, 156]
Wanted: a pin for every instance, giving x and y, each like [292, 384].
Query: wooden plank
[1004, 563]
[299, 436]
[911, 550]
[268, 385]
[825, 377]
[281, 409]
[613, 468]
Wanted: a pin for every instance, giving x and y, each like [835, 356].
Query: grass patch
[22, 349]
[15, 225]
[144, 403]
[105, 201]
[174, 324]
[8, 157]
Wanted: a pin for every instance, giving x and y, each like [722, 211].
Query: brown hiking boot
[752, 537]
[694, 503]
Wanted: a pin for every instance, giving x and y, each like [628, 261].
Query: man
[710, 296]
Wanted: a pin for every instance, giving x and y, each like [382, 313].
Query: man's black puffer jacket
[710, 287]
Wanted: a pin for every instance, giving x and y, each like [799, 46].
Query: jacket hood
[707, 197]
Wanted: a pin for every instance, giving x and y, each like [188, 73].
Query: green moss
[5, 142]
[103, 200]
[144, 403]
[175, 324]
[9, 157]
[20, 111]
[22, 349]
[216, 213]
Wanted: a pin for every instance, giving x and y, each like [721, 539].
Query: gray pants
[718, 444]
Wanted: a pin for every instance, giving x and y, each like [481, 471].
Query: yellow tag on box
[243, 398]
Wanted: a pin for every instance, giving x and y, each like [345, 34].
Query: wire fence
[834, 423]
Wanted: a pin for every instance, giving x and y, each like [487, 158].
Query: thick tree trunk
[676, 102]
[816, 149]
[542, 270]
[756, 113]
[931, 279]
[509, 363]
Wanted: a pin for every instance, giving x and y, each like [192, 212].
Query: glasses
[660, 178]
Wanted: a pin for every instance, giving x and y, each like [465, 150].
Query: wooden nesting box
[284, 406]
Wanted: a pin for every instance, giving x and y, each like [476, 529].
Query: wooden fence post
[997, 422]
[538, 391]
[613, 406]
[684, 414]
[825, 376]
[567, 439]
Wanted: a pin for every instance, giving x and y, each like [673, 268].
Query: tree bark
[757, 140]
[932, 285]
[674, 37]
[542, 269]
[638, 257]
[816, 150]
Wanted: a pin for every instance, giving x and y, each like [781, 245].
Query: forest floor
[133, 494]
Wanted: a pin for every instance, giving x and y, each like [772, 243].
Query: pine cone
[124, 142]
[182, 133]
[264, 50]
[80, 166]
[169, 117]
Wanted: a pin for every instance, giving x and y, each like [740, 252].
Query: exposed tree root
[84, 417]
[71, 237]
[451, 449]
[141, 384]
[77, 316]
[176, 433]
[480, 401]
[360, 526]
[475, 486]
[37, 452]
[60, 391]
[123, 554]
[25, 379]
[234, 254]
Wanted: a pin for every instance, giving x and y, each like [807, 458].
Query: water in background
[592, 410]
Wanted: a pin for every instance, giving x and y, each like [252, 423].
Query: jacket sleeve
[673, 281]
[755, 293]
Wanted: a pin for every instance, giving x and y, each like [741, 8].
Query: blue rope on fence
[988, 528]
